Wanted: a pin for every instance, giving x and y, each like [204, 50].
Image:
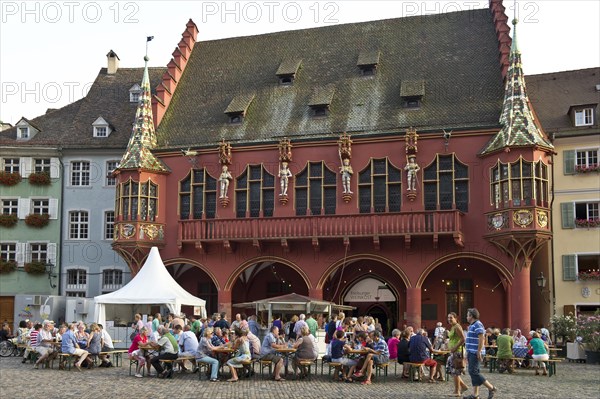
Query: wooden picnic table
[286, 353]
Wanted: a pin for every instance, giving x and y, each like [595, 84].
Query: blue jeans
[214, 365]
[474, 371]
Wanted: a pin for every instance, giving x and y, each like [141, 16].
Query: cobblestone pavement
[17, 380]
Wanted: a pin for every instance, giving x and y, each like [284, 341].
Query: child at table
[338, 347]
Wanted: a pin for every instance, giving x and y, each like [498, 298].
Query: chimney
[113, 62]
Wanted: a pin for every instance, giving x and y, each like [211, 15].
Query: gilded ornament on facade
[127, 230]
[150, 230]
[523, 218]
[542, 218]
[497, 221]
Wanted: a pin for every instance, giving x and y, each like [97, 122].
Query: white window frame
[11, 165]
[80, 173]
[100, 131]
[584, 117]
[40, 252]
[108, 224]
[42, 165]
[77, 288]
[584, 157]
[12, 208]
[110, 180]
[135, 92]
[38, 207]
[23, 133]
[577, 256]
[111, 287]
[7, 251]
[82, 226]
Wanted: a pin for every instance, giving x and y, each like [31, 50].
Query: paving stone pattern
[17, 380]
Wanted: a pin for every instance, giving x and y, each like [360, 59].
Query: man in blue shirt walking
[474, 344]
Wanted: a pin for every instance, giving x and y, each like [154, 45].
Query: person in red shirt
[393, 344]
[135, 353]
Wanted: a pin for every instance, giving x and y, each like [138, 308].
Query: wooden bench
[65, 358]
[382, 367]
[493, 361]
[117, 355]
[263, 364]
[412, 368]
[305, 367]
[336, 367]
[551, 365]
[180, 359]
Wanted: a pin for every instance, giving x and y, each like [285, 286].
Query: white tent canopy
[152, 285]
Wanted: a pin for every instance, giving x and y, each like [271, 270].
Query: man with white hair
[70, 345]
[299, 324]
[45, 341]
[168, 351]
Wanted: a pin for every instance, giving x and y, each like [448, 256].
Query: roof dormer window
[286, 80]
[236, 118]
[101, 128]
[367, 62]
[320, 100]
[584, 117]
[287, 71]
[367, 70]
[236, 110]
[319, 111]
[134, 93]
[25, 129]
[412, 92]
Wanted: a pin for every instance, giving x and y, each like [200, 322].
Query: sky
[51, 51]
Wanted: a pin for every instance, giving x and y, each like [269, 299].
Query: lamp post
[541, 283]
[50, 272]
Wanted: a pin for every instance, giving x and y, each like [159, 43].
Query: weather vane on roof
[148, 39]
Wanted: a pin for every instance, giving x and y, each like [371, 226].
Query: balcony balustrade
[405, 224]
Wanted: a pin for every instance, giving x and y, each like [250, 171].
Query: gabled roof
[457, 55]
[71, 125]
[519, 128]
[553, 94]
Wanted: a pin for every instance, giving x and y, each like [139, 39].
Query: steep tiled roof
[456, 54]
[553, 94]
[519, 128]
[71, 126]
[143, 136]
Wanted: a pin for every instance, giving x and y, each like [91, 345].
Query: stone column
[520, 301]
[225, 303]
[413, 307]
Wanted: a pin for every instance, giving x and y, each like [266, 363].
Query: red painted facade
[413, 251]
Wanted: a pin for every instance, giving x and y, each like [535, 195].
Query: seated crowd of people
[47, 340]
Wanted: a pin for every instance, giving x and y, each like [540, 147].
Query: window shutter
[20, 255]
[24, 208]
[54, 168]
[567, 214]
[51, 258]
[53, 208]
[569, 162]
[569, 266]
[26, 166]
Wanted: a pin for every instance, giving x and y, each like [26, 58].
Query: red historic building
[390, 165]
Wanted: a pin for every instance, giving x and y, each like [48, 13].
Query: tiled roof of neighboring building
[553, 94]
[455, 55]
[71, 126]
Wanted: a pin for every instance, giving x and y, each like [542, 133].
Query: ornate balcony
[314, 228]
[519, 232]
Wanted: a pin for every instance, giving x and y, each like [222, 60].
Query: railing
[330, 226]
